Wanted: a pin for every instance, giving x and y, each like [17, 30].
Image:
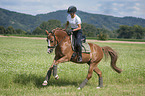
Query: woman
[75, 22]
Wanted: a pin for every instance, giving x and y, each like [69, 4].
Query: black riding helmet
[72, 9]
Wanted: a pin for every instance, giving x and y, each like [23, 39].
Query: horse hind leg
[99, 73]
[90, 72]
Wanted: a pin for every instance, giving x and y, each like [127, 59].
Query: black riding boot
[79, 59]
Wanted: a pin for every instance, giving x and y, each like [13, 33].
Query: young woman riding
[74, 20]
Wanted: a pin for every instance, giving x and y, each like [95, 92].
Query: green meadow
[24, 64]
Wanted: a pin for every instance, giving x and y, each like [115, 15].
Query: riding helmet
[72, 9]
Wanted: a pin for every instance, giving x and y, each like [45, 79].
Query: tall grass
[24, 63]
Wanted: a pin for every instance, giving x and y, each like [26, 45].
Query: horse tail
[109, 51]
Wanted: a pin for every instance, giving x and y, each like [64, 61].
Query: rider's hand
[69, 32]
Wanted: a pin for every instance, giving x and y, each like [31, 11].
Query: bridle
[57, 41]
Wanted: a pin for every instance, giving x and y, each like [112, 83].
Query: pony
[59, 40]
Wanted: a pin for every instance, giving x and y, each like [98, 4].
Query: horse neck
[62, 37]
[60, 34]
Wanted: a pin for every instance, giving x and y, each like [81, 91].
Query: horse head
[53, 38]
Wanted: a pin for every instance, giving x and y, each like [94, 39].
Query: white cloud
[123, 8]
[106, 7]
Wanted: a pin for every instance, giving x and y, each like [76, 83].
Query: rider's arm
[79, 28]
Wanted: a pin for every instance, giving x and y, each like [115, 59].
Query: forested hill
[101, 21]
[18, 20]
[30, 22]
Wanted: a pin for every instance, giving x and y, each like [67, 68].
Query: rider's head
[72, 9]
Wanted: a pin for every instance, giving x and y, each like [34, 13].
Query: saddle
[85, 45]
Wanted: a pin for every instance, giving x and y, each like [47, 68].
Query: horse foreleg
[55, 72]
[61, 60]
[48, 75]
[90, 71]
[54, 67]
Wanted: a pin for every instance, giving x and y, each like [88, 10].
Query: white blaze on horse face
[48, 50]
[48, 42]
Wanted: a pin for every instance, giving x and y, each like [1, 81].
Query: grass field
[24, 63]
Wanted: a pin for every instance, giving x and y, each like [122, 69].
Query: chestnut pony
[60, 40]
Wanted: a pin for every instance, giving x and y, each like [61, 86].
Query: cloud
[107, 7]
[121, 8]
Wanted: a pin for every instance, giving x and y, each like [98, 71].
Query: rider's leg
[79, 45]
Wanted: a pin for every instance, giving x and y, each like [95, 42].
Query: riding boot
[79, 59]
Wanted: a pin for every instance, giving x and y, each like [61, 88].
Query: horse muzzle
[49, 50]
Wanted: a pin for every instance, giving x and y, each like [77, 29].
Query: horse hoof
[79, 88]
[56, 77]
[44, 83]
[98, 87]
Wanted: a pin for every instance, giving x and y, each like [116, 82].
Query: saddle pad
[85, 46]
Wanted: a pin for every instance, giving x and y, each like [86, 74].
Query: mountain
[18, 20]
[30, 22]
[100, 21]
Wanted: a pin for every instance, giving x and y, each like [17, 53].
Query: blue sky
[118, 8]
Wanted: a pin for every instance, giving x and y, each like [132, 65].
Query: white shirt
[74, 21]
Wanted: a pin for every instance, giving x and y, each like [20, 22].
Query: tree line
[124, 31]
[11, 30]
[132, 32]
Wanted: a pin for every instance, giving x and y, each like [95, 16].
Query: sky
[117, 8]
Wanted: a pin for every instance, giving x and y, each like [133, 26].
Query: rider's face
[72, 14]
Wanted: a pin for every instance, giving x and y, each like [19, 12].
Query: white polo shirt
[74, 21]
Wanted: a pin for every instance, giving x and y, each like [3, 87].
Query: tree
[2, 30]
[38, 31]
[124, 31]
[139, 32]
[102, 36]
[105, 31]
[20, 31]
[89, 30]
[134, 32]
[10, 30]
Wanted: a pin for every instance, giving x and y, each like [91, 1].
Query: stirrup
[79, 59]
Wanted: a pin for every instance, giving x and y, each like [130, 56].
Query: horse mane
[59, 31]
[56, 29]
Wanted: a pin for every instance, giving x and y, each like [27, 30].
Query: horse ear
[46, 31]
